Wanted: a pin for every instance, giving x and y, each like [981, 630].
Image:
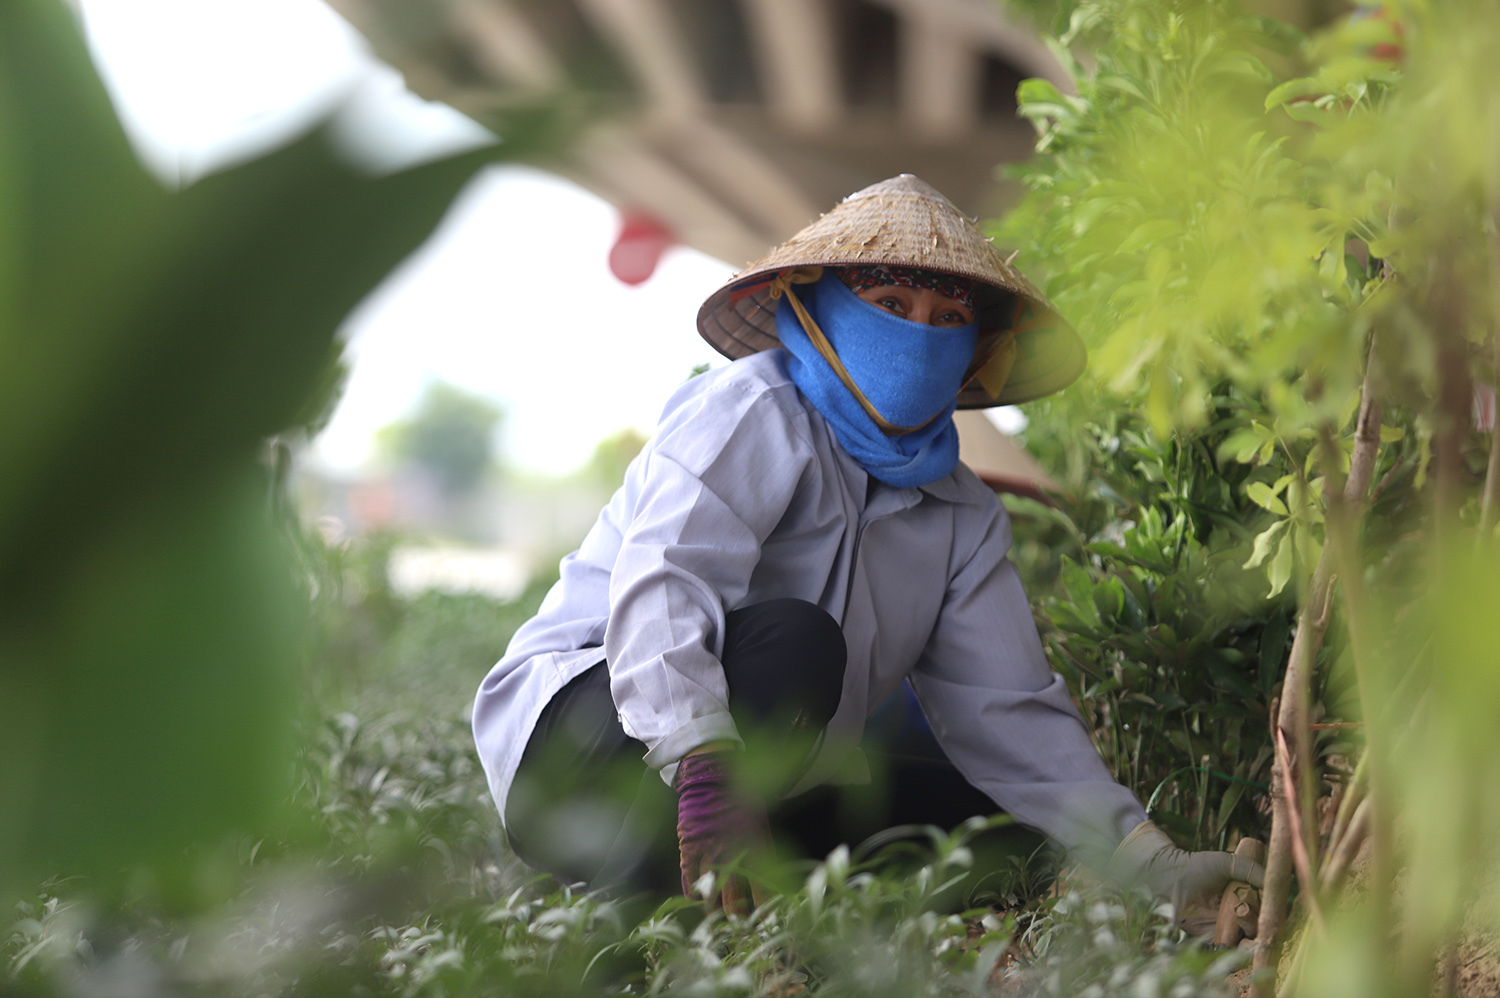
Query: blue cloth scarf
[908, 370]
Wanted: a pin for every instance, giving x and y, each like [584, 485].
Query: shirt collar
[961, 486]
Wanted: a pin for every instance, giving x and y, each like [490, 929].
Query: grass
[392, 879]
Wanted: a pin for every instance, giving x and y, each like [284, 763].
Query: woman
[797, 540]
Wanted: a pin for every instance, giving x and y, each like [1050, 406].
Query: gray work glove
[1148, 857]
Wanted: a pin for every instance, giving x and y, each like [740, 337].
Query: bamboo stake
[1292, 717]
[1489, 506]
[1455, 394]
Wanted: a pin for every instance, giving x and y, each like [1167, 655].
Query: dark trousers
[585, 807]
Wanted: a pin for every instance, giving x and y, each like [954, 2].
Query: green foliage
[394, 880]
[1096, 944]
[1169, 643]
[1224, 214]
[152, 341]
[451, 435]
[1178, 230]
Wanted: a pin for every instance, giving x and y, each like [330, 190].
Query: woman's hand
[717, 821]
[1147, 856]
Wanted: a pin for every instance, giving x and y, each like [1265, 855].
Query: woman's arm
[1003, 716]
[720, 474]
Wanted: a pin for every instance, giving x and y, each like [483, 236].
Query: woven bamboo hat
[904, 222]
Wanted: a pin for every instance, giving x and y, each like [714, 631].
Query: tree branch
[1312, 625]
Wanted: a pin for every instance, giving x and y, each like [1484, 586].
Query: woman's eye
[891, 305]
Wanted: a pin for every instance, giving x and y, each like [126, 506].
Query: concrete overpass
[735, 122]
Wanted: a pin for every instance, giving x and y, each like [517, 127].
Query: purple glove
[716, 822]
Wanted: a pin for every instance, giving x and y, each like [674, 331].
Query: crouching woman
[796, 545]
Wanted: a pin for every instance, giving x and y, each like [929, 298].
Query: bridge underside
[735, 122]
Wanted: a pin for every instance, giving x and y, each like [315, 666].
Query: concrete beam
[615, 163]
[988, 29]
[644, 32]
[739, 175]
[797, 55]
[505, 44]
[940, 78]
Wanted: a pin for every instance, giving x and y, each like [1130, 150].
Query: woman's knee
[784, 654]
[576, 778]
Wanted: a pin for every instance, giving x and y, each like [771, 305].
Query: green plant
[1096, 943]
[1226, 208]
[152, 341]
[1167, 640]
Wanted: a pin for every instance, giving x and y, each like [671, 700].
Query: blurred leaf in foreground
[149, 342]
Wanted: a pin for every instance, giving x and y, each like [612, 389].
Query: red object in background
[638, 247]
[1391, 51]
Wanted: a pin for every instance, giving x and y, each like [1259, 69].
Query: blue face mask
[909, 372]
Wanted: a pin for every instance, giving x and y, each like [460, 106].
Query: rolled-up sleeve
[717, 478]
[1004, 717]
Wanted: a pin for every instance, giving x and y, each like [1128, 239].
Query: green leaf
[1263, 542]
[1263, 495]
[1240, 446]
[1108, 550]
[1293, 90]
[1039, 91]
[1149, 234]
[157, 340]
[1281, 565]
[1313, 114]
[1109, 597]
[1123, 83]
[1385, 246]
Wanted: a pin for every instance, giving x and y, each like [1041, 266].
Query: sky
[512, 297]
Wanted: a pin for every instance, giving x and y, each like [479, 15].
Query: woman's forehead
[959, 289]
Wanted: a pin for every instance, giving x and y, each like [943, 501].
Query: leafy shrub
[1168, 641]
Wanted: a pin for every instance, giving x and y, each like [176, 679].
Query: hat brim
[739, 319]
[904, 222]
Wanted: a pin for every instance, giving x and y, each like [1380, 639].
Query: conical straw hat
[904, 222]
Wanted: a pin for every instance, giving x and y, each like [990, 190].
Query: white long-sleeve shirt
[743, 494]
